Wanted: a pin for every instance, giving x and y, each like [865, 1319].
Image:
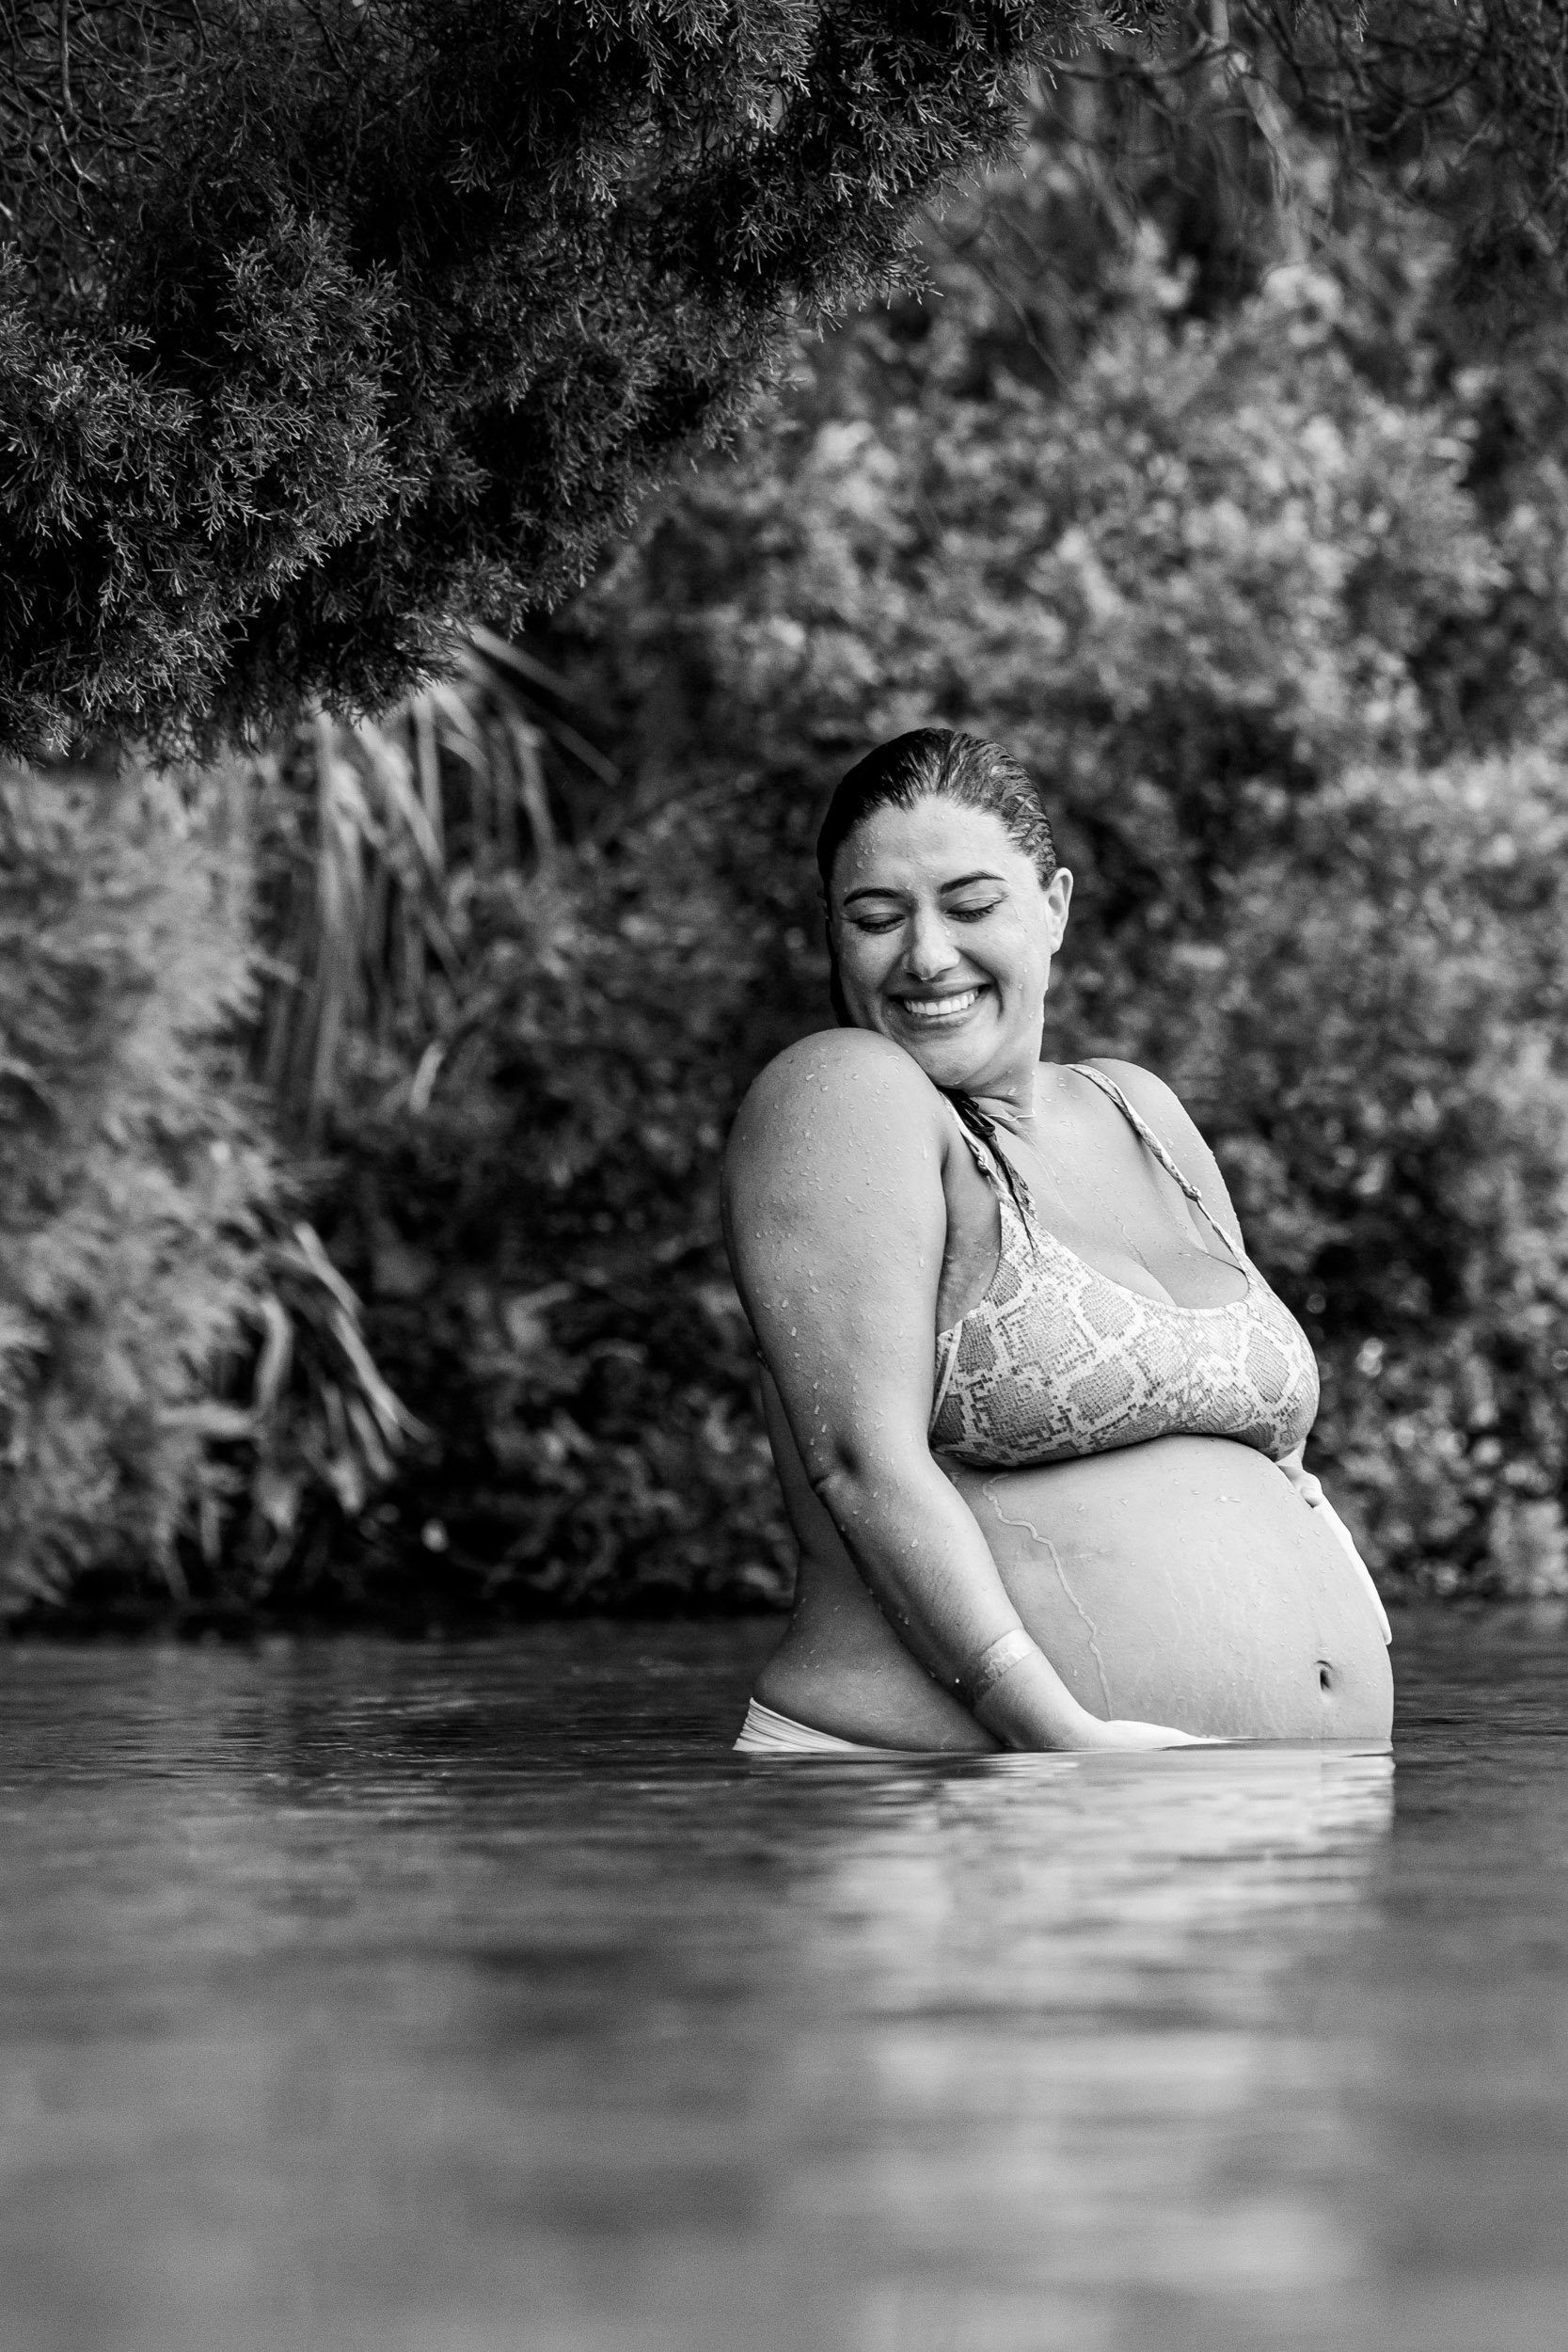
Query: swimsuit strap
[980, 1151]
[1011, 1189]
[1147, 1135]
[987, 1158]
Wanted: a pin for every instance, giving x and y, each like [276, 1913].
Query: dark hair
[931, 763]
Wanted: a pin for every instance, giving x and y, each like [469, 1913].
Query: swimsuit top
[1057, 1360]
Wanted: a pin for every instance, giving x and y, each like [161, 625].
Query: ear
[1058, 897]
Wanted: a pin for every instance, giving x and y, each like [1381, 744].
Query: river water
[474, 1999]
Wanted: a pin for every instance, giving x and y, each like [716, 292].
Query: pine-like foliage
[322, 325]
[130, 1180]
[185, 1397]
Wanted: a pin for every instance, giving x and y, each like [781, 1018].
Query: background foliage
[130, 1174]
[1271, 599]
[186, 1400]
[324, 327]
[1198, 478]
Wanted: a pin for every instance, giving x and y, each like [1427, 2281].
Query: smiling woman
[1037, 1419]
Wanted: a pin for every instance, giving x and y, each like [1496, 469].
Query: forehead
[936, 841]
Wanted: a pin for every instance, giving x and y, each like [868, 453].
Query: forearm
[924, 1558]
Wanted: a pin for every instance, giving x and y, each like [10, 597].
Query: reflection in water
[1057, 2021]
[454, 2000]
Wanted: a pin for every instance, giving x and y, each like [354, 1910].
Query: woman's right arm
[837, 1221]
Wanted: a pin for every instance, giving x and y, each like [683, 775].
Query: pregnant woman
[1037, 1419]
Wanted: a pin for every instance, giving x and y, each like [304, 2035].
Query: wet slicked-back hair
[931, 763]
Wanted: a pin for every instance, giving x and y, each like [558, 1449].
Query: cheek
[865, 955]
[1013, 955]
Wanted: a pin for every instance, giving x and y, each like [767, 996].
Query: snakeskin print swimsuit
[1057, 1360]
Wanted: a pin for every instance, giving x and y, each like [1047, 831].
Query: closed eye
[868, 921]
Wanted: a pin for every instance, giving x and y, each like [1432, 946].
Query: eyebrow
[885, 890]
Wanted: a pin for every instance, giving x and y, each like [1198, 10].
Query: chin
[951, 1064]
[942, 1060]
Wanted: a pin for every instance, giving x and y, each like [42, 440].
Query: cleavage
[1135, 1240]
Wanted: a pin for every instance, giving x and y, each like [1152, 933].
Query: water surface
[357, 1998]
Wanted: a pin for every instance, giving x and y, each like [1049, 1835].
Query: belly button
[1326, 1675]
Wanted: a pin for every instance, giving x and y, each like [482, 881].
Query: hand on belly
[1185, 1581]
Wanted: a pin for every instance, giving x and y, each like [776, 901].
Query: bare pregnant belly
[1185, 1581]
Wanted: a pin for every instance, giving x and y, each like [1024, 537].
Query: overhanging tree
[325, 324]
[325, 328]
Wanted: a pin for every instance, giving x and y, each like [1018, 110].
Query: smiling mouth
[934, 1012]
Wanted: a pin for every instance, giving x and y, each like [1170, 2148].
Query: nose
[930, 952]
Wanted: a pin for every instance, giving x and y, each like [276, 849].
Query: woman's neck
[1015, 1100]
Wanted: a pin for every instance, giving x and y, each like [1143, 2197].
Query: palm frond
[367, 828]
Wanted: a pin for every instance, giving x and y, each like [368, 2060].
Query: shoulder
[842, 1099]
[849, 1083]
[834, 1217]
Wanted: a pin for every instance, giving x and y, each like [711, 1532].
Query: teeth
[941, 1008]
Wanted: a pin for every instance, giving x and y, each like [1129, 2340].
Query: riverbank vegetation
[184, 1384]
[1271, 600]
[368, 1114]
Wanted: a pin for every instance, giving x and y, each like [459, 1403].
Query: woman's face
[944, 935]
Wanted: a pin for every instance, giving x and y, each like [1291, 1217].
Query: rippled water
[461, 1999]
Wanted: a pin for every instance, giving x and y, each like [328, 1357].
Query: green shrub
[185, 1400]
[130, 1178]
[308, 353]
[1373, 1040]
[324, 330]
[530, 1210]
[1270, 604]
[1244, 588]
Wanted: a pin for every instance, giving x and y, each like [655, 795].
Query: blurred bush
[1268, 592]
[128, 1174]
[1271, 602]
[183, 1383]
[1372, 1036]
[528, 1205]
[502, 1022]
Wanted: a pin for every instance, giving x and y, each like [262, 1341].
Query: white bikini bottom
[765, 1732]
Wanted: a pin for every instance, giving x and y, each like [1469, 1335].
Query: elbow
[853, 1481]
[834, 1484]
